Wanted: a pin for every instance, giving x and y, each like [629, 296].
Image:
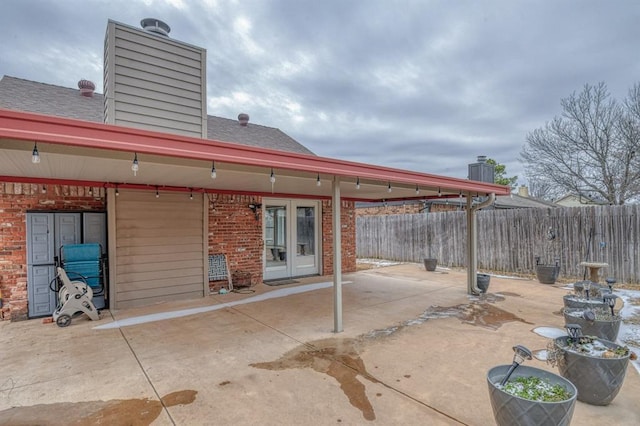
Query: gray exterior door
[94, 229]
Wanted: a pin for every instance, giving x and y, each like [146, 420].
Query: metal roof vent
[86, 88]
[482, 171]
[243, 119]
[156, 26]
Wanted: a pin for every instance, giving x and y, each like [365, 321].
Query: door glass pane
[306, 238]
[276, 235]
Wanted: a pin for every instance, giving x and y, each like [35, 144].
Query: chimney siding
[154, 82]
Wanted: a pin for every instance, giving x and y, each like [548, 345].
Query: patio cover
[99, 155]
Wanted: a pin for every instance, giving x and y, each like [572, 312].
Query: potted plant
[482, 282]
[523, 395]
[547, 273]
[586, 295]
[430, 263]
[598, 321]
[595, 366]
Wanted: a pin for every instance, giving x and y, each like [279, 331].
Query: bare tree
[590, 148]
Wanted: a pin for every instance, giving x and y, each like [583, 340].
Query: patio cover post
[337, 257]
[472, 248]
[472, 242]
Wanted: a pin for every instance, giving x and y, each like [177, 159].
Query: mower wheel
[63, 320]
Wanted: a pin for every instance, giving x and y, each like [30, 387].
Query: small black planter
[430, 263]
[482, 281]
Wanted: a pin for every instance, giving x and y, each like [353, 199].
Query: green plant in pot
[586, 294]
[600, 321]
[522, 395]
[595, 366]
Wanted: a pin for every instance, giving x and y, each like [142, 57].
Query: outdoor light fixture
[587, 287]
[389, 187]
[417, 190]
[357, 183]
[90, 191]
[117, 192]
[574, 331]
[610, 282]
[35, 155]
[157, 193]
[214, 174]
[520, 353]
[272, 177]
[254, 208]
[610, 299]
[44, 189]
[318, 182]
[135, 166]
[439, 192]
[191, 195]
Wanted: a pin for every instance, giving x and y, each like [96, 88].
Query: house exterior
[579, 200]
[173, 195]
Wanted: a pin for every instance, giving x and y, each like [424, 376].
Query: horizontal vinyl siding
[155, 83]
[159, 248]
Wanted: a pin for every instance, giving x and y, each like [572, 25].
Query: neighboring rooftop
[41, 98]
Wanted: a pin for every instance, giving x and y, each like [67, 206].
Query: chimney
[523, 191]
[482, 171]
[154, 82]
[243, 119]
[86, 88]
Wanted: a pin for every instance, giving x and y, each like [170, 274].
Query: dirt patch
[130, 412]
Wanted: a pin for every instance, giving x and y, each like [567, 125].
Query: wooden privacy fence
[510, 240]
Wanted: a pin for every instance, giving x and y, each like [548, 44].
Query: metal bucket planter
[482, 281]
[597, 379]
[547, 274]
[603, 328]
[511, 410]
[575, 301]
[430, 263]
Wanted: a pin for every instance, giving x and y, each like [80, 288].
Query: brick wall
[235, 231]
[15, 200]
[348, 219]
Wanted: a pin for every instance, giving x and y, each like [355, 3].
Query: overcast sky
[419, 85]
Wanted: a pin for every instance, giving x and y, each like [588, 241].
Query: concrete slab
[415, 350]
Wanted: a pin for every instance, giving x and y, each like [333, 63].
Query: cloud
[421, 85]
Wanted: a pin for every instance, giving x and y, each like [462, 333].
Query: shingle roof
[32, 96]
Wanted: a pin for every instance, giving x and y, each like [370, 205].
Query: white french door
[291, 243]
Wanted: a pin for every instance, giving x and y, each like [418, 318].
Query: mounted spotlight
[254, 208]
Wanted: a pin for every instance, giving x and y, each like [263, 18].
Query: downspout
[472, 242]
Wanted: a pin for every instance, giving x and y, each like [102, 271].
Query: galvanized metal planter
[575, 301]
[510, 410]
[482, 281]
[547, 274]
[604, 329]
[430, 263]
[597, 379]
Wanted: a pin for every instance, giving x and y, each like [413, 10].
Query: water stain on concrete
[117, 412]
[338, 358]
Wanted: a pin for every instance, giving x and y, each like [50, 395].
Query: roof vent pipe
[86, 88]
[243, 119]
[155, 26]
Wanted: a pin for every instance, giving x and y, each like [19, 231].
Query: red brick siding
[348, 219]
[235, 231]
[15, 200]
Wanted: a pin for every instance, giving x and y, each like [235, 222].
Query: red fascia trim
[48, 129]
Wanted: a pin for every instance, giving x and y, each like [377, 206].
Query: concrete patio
[415, 351]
